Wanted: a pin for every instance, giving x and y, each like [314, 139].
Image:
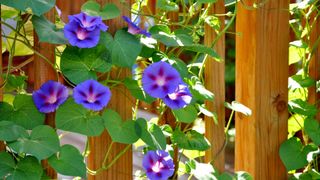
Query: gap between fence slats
[215, 82]
[262, 85]
[121, 102]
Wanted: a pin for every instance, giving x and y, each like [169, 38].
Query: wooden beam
[262, 85]
[43, 72]
[120, 102]
[214, 81]
[314, 66]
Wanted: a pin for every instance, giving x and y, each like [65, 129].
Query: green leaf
[125, 49]
[137, 91]
[152, 136]
[192, 140]
[298, 81]
[15, 82]
[199, 91]
[163, 34]
[202, 171]
[293, 154]
[7, 164]
[241, 175]
[295, 124]
[68, 161]
[80, 64]
[186, 115]
[207, 1]
[297, 51]
[167, 5]
[38, 7]
[213, 21]
[238, 107]
[109, 11]
[180, 66]
[23, 112]
[10, 131]
[26, 169]
[312, 128]
[120, 131]
[204, 49]
[47, 31]
[75, 118]
[301, 107]
[41, 143]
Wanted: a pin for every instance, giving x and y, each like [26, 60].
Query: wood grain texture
[314, 66]
[262, 85]
[121, 102]
[215, 82]
[43, 72]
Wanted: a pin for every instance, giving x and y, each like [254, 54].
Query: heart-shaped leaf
[68, 161]
[75, 118]
[27, 169]
[120, 131]
[80, 64]
[192, 140]
[186, 115]
[7, 164]
[109, 11]
[125, 49]
[47, 31]
[41, 143]
[293, 154]
[38, 7]
[312, 128]
[23, 112]
[10, 131]
[152, 136]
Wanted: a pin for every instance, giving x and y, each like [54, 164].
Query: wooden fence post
[43, 72]
[215, 82]
[262, 85]
[314, 66]
[122, 169]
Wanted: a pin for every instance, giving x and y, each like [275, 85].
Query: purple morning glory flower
[83, 30]
[92, 95]
[134, 28]
[160, 79]
[158, 165]
[50, 96]
[180, 98]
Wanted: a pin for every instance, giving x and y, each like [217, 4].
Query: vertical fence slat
[214, 81]
[262, 85]
[43, 72]
[314, 66]
[120, 102]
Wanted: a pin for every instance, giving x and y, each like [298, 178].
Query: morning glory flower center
[157, 167]
[52, 99]
[91, 98]
[160, 81]
[81, 35]
[86, 23]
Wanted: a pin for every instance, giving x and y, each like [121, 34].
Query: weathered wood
[43, 72]
[262, 85]
[314, 66]
[214, 81]
[120, 102]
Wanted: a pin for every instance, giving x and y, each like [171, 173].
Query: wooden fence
[261, 84]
